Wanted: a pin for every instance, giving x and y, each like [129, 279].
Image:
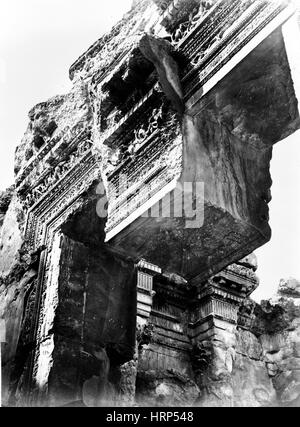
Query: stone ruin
[126, 263]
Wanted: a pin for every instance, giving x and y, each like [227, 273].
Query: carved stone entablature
[239, 277]
[60, 145]
[146, 161]
[51, 176]
[101, 58]
[60, 198]
[115, 135]
[155, 149]
[208, 42]
[130, 129]
[181, 17]
[102, 75]
[134, 145]
[128, 82]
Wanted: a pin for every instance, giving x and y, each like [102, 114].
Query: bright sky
[40, 39]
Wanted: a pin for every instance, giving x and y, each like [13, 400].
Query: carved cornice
[132, 119]
[145, 167]
[58, 198]
[62, 143]
[211, 41]
[100, 49]
[239, 278]
[148, 267]
[211, 289]
[198, 13]
[47, 181]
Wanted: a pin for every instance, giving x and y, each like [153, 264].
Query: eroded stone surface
[166, 388]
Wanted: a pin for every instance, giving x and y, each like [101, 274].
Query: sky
[40, 39]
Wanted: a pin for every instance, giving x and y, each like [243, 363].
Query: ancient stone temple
[126, 263]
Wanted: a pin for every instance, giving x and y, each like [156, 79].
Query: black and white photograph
[149, 206]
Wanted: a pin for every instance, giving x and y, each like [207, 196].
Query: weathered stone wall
[280, 341]
[164, 372]
[268, 347]
[87, 326]
[254, 365]
[94, 331]
[251, 383]
[18, 273]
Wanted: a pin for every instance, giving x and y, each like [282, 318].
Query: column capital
[145, 273]
[216, 302]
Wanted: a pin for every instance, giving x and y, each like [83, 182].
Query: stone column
[213, 331]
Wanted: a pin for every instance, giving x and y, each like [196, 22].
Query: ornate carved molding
[62, 142]
[33, 194]
[51, 207]
[57, 199]
[150, 159]
[209, 42]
